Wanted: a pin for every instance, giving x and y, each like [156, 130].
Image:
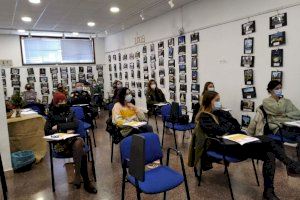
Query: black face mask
[63, 107]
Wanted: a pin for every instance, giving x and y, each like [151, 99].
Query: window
[47, 50]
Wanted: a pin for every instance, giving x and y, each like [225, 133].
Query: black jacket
[227, 124]
[80, 98]
[63, 118]
[153, 97]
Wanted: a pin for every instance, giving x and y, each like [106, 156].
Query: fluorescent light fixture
[91, 24]
[171, 3]
[75, 33]
[26, 19]
[35, 1]
[114, 9]
[21, 31]
[142, 16]
[29, 35]
[63, 36]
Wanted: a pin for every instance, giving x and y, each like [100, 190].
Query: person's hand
[70, 131]
[54, 128]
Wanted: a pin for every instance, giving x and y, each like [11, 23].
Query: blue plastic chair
[79, 113]
[154, 181]
[87, 148]
[221, 157]
[167, 123]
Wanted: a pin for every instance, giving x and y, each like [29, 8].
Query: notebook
[240, 138]
[59, 136]
[135, 124]
[294, 123]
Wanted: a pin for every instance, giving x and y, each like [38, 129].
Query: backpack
[114, 132]
[176, 116]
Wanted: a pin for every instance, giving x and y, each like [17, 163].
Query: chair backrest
[78, 111]
[267, 129]
[110, 106]
[81, 130]
[137, 158]
[165, 112]
[152, 148]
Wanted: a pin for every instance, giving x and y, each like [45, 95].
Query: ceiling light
[26, 19]
[29, 35]
[21, 31]
[35, 1]
[114, 9]
[106, 32]
[91, 24]
[171, 3]
[75, 33]
[142, 16]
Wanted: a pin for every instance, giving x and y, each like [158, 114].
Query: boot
[293, 169]
[269, 194]
[88, 186]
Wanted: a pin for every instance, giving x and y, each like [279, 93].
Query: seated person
[96, 93]
[62, 119]
[280, 110]
[29, 96]
[61, 88]
[117, 85]
[215, 122]
[154, 95]
[124, 111]
[79, 96]
[209, 86]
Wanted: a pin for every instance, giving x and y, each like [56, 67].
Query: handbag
[176, 116]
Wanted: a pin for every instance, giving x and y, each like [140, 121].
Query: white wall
[221, 46]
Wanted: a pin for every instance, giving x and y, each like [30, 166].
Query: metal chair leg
[257, 181]
[112, 151]
[165, 195]
[123, 183]
[156, 124]
[163, 135]
[174, 133]
[94, 137]
[52, 170]
[93, 161]
[229, 182]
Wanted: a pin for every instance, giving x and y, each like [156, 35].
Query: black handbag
[114, 132]
[176, 116]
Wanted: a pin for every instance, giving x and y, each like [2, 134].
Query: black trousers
[266, 150]
[292, 133]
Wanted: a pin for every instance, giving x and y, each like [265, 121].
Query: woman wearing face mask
[62, 119]
[29, 96]
[124, 111]
[117, 85]
[280, 110]
[209, 86]
[213, 122]
[154, 95]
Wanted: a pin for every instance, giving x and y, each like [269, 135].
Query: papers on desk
[294, 123]
[81, 105]
[28, 111]
[227, 109]
[59, 136]
[135, 124]
[240, 138]
[160, 104]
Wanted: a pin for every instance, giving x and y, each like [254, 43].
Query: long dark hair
[121, 95]
[149, 84]
[272, 85]
[205, 89]
[206, 102]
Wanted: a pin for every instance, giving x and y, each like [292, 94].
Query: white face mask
[212, 89]
[128, 98]
[153, 86]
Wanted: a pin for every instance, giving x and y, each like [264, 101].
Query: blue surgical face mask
[128, 98]
[217, 105]
[79, 89]
[278, 92]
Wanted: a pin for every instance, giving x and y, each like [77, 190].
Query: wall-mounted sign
[139, 39]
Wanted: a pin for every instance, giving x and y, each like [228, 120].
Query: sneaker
[90, 188]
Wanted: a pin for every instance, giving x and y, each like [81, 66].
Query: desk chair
[88, 149]
[218, 157]
[79, 113]
[169, 123]
[140, 150]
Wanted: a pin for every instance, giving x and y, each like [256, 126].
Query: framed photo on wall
[194, 76]
[249, 92]
[181, 50]
[194, 63]
[195, 88]
[144, 49]
[161, 45]
[277, 58]
[247, 106]
[195, 37]
[194, 49]
[181, 40]
[277, 75]
[248, 45]
[277, 39]
[248, 77]
[278, 21]
[171, 42]
[248, 28]
[247, 61]
[245, 121]
[171, 52]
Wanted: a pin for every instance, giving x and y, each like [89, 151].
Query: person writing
[154, 95]
[124, 111]
[214, 122]
[62, 119]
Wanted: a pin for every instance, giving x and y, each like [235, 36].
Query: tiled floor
[36, 184]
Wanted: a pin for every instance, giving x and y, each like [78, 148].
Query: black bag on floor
[176, 116]
[114, 132]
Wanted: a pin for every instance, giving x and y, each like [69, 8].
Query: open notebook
[240, 138]
[135, 124]
[59, 136]
[294, 123]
